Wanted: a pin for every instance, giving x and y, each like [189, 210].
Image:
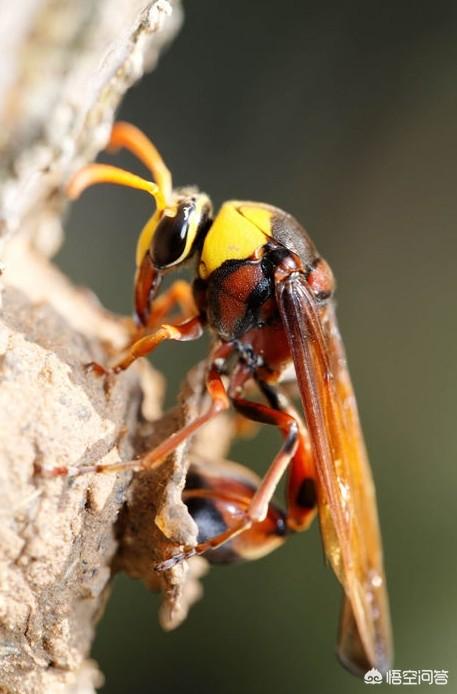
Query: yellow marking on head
[237, 232]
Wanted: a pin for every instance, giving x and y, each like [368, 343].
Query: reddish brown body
[266, 294]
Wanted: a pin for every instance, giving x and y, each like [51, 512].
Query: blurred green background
[345, 115]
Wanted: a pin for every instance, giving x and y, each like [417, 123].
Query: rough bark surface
[66, 65]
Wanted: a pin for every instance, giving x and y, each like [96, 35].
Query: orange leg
[258, 506]
[220, 402]
[301, 483]
[180, 294]
[218, 504]
[190, 330]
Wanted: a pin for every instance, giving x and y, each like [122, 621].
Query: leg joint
[291, 441]
[220, 404]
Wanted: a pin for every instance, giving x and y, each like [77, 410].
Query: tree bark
[67, 64]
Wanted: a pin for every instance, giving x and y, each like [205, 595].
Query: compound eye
[170, 241]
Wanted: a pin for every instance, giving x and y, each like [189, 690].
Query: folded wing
[347, 502]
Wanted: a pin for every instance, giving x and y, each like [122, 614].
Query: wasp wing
[347, 502]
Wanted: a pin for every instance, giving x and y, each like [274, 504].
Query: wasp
[266, 295]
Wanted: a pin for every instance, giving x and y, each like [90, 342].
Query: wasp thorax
[179, 227]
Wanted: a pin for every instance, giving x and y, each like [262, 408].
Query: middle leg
[219, 403]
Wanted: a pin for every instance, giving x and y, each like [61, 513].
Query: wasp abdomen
[211, 523]
[217, 501]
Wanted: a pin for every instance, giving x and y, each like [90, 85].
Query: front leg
[191, 329]
[178, 295]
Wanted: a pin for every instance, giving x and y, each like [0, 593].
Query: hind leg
[255, 507]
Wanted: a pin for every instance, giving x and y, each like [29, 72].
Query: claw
[100, 371]
[97, 369]
[58, 471]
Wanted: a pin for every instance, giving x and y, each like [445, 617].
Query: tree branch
[68, 64]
